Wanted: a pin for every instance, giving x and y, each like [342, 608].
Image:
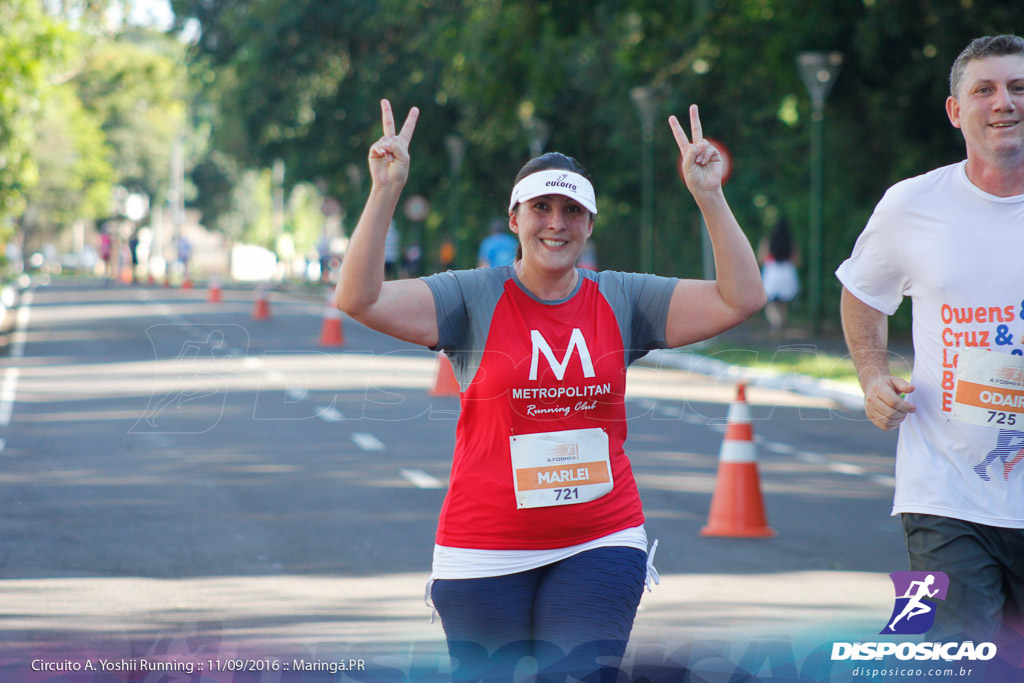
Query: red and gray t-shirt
[527, 366]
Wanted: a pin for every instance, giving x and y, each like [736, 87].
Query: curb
[849, 397]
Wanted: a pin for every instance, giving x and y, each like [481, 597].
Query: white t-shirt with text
[958, 253]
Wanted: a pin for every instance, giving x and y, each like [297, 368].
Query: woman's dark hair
[547, 162]
[552, 161]
[780, 244]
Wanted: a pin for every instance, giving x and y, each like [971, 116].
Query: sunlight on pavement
[390, 608]
[321, 371]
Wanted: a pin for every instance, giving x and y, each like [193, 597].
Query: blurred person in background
[392, 252]
[778, 272]
[133, 247]
[107, 251]
[323, 254]
[498, 248]
[184, 254]
[588, 259]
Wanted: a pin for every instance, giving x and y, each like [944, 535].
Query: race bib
[560, 468]
[989, 389]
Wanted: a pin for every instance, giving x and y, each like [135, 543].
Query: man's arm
[867, 336]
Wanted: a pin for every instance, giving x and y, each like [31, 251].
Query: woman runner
[541, 550]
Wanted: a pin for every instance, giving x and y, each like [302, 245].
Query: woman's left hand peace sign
[702, 163]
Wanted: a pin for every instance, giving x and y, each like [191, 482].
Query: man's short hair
[987, 46]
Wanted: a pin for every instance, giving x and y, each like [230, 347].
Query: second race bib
[989, 389]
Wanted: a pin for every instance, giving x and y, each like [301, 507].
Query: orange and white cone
[737, 509]
[331, 332]
[445, 383]
[261, 311]
[215, 294]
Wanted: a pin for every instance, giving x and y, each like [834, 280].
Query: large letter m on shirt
[576, 341]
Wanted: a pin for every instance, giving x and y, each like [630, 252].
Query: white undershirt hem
[473, 563]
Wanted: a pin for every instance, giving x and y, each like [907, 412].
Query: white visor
[565, 183]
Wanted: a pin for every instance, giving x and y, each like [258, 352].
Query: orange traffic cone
[737, 509]
[215, 295]
[445, 383]
[262, 309]
[187, 284]
[331, 332]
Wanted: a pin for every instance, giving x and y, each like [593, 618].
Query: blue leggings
[572, 617]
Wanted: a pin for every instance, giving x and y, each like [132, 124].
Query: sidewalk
[754, 336]
[282, 612]
[754, 333]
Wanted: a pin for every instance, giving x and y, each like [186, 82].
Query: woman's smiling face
[552, 230]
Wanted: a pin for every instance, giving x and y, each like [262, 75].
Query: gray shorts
[985, 565]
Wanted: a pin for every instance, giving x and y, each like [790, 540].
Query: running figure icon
[915, 606]
[190, 389]
[1008, 441]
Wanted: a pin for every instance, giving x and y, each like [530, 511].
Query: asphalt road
[172, 465]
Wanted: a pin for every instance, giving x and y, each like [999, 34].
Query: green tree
[33, 48]
[75, 175]
[301, 80]
[135, 85]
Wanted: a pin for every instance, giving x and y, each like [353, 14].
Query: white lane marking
[421, 479]
[3, 445]
[884, 480]
[329, 414]
[671, 414]
[21, 325]
[368, 442]
[295, 395]
[814, 458]
[8, 391]
[847, 468]
[646, 404]
[168, 312]
[9, 388]
[780, 448]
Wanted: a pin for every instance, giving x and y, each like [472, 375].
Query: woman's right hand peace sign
[702, 163]
[389, 156]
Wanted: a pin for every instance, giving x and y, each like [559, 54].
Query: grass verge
[800, 359]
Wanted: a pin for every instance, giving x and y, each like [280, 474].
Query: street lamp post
[456, 147]
[646, 100]
[176, 197]
[539, 131]
[818, 71]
